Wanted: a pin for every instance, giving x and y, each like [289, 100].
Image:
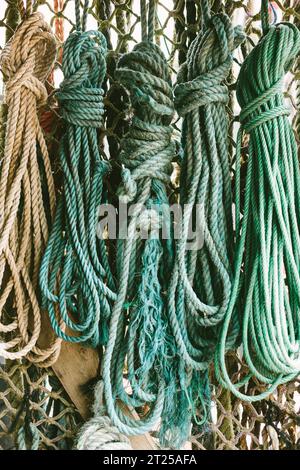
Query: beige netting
[29, 394]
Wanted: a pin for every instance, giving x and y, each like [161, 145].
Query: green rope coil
[265, 295]
[75, 277]
[140, 339]
[200, 286]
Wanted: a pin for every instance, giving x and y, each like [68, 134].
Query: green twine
[265, 295]
[75, 278]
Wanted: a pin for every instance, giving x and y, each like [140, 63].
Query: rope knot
[259, 86]
[209, 60]
[84, 68]
[28, 58]
[149, 147]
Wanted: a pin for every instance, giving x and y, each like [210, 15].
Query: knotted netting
[34, 407]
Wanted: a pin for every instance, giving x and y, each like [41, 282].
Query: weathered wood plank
[75, 367]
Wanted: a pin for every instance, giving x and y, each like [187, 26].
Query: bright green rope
[265, 296]
[75, 277]
[200, 286]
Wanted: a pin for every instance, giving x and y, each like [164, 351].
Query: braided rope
[74, 269]
[265, 292]
[27, 197]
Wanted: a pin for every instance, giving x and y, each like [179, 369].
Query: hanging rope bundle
[27, 197]
[139, 336]
[266, 291]
[200, 285]
[74, 269]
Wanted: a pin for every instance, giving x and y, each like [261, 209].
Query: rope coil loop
[27, 195]
[139, 333]
[98, 433]
[75, 277]
[265, 293]
[200, 285]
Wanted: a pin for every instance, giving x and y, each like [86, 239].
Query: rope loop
[199, 83]
[28, 57]
[266, 285]
[259, 88]
[84, 68]
[148, 148]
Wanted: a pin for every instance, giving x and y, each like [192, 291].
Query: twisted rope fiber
[27, 197]
[265, 291]
[74, 277]
[139, 335]
[99, 433]
[200, 285]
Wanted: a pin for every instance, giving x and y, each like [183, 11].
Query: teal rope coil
[140, 340]
[265, 295]
[75, 278]
[200, 285]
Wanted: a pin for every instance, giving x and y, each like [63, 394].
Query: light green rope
[200, 286]
[265, 296]
[75, 277]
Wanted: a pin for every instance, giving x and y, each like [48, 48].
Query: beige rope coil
[27, 195]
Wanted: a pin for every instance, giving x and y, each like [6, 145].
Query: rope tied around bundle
[75, 277]
[200, 284]
[139, 334]
[98, 433]
[265, 292]
[27, 195]
[148, 149]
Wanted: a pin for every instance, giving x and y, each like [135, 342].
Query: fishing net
[29, 394]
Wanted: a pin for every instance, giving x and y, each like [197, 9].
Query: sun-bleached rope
[27, 196]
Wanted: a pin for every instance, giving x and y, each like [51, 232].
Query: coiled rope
[27, 196]
[139, 335]
[265, 294]
[200, 285]
[75, 277]
[99, 433]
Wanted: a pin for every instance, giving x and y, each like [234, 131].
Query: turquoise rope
[266, 291]
[76, 283]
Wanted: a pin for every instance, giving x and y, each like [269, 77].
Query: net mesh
[28, 393]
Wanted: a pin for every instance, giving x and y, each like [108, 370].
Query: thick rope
[200, 286]
[74, 277]
[27, 197]
[99, 433]
[139, 335]
[265, 296]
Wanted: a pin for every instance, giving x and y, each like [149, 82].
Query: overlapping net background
[33, 394]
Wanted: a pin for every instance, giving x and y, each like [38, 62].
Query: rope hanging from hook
[75, 277]
[265, 295]
[27, 196]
